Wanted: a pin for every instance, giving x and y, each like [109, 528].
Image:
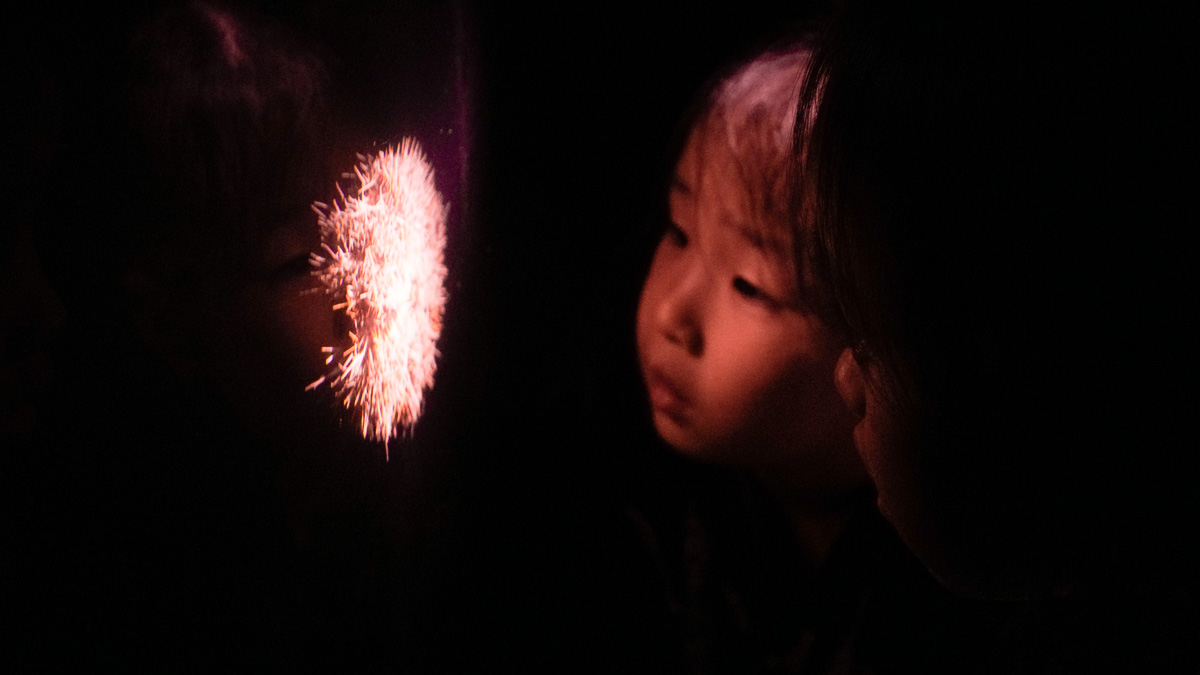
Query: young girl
[737, 362]
[788, 566]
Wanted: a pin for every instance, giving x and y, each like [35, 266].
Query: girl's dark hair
[231, 111]
[190, 131]
[750, 107]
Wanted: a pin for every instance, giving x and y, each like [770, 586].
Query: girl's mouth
[665, 395]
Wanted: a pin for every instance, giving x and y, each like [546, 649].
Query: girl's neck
[816, 521]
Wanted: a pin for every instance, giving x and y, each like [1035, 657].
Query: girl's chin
[679, 431]
[684, 440]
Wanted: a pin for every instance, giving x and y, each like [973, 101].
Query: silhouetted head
[191, 156]
[979, 213]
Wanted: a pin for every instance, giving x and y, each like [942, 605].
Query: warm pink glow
[384, 263]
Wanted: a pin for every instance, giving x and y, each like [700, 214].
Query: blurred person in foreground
[996, 199]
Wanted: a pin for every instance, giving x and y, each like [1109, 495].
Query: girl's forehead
[707, 169]
[705, 146]
[709, 175]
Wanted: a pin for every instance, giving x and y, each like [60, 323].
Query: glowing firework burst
[384, 261]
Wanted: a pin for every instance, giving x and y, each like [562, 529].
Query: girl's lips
[665, 395]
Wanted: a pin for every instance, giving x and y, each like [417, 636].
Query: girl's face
[738, 370]
[263, 318]
[263, 322]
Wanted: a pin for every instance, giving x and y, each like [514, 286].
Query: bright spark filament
[383, 262]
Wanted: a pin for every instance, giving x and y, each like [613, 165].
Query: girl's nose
[680, 314]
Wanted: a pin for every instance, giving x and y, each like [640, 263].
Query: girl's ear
[851, 385]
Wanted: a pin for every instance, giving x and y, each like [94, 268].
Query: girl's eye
[295, 267]
[747, 289]
[676, 235]
[755, 294]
